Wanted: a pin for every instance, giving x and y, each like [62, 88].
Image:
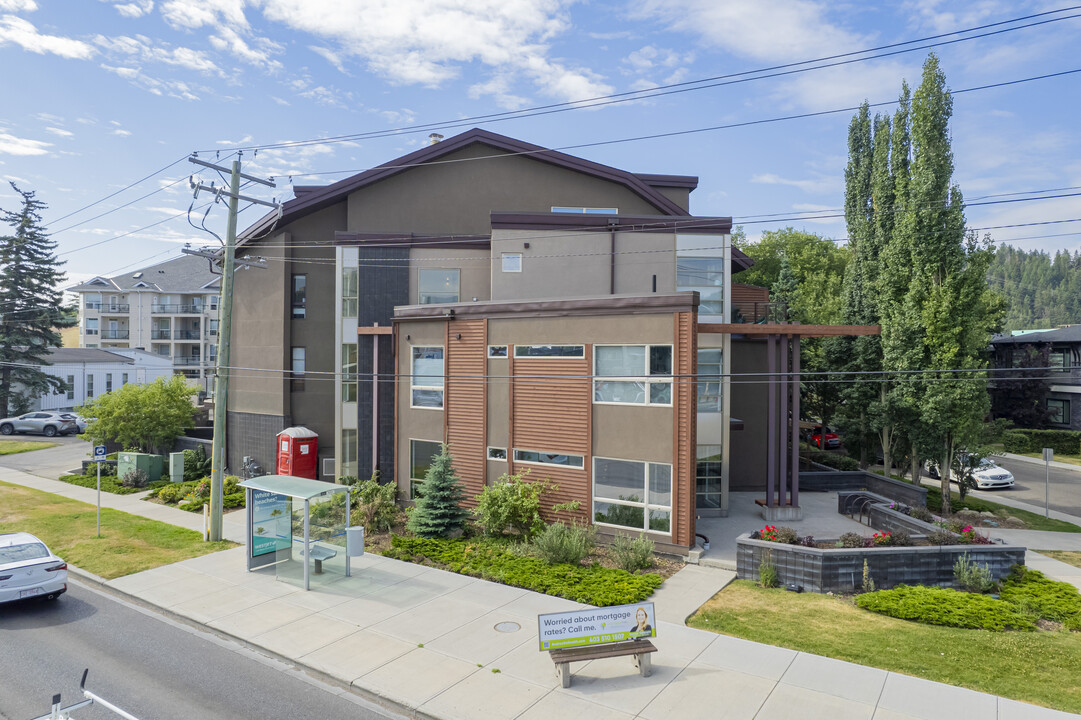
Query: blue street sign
[99, 452]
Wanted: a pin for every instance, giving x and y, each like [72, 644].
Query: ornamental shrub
[169, 493]
[851, 540]
[512, 503]
[943, 606]
[941, 537]
[833, 460]
[561, 543]
[1015, 441]
[900, 538]
[490, 560]
[972, 577]
[1047, 598]
[376, 504]
[921, 513]
[135, 479]
[632, 554]
[786, 535]
[438, 511]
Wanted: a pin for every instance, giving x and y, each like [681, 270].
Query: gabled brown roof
[311, 199]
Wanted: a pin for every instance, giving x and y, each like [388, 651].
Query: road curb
[1037, 461]
[371, 696]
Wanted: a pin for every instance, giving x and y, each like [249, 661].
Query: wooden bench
[760, 502]
[319, 554]
[640, 649]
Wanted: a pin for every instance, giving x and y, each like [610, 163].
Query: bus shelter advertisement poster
[596, 626]
[270, 523]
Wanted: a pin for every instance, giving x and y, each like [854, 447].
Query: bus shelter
[300, 526]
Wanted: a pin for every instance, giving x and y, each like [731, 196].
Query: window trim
[498, 449]
[548, 464]
[413, 379]
[549, 357]
[645, 504]
[503, 261]
[648, 380]
[504, 356]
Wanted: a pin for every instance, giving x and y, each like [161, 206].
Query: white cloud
[651, 57]
[121, 132]
[194, 14]
[229, 40]
[20, 32]
[330, 56]
[172, 88]
[134, 9]
[819, 185]
[770, 31]
[142, 47]
[18, 5]
[12, 145]
[405, 116]
[59, 131]
[846, 86]
[246, 140]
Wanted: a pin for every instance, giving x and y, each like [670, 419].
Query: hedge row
[1063, 442]
[833, 460]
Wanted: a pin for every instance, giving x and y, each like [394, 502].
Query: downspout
[612, 224]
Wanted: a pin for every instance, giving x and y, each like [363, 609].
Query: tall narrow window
[71, 387]
[349, 372]
[298, 368]
[300, 295]
[421, 453]
[212, 301]
[91, 326]
[108, 382]
[90, 386]
[427, 380]
[709, 380]
[438, 286]
[350, 287]
[348, 453]
[123, 379]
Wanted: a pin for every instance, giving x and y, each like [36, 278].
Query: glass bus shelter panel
[326, 527]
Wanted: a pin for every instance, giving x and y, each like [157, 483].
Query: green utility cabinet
[150, 464]
[176, 466]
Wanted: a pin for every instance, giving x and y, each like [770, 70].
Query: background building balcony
[182, 309]
[188, 360]
[160, 334]
[114, 334]
[114, 308]
[188, 335]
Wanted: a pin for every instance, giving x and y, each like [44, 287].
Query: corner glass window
[709, 380]
[350, 287]
[633, 374]
[705, 275]
[349, 372]
[348, 453]
[438, 286]
[427, 377]
[632, 494]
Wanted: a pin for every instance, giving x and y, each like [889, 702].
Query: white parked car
[28, 569]
[985, 471]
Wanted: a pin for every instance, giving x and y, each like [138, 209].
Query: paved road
[51, 462]
[153, 668]
[1065, 486]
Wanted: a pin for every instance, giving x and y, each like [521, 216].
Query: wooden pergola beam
[789, 329]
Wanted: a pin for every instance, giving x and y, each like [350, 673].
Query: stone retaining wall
[896, 490]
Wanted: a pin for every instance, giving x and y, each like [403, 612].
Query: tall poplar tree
[31, 307]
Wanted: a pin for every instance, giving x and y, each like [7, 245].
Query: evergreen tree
[439, 511]
[786, 290]
[31, 308]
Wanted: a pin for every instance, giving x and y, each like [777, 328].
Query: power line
[686, 86]
[126, 187]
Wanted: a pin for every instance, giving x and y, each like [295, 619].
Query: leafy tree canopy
[146, 417]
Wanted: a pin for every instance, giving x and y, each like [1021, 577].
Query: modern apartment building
[169, 309]
[1062, 346]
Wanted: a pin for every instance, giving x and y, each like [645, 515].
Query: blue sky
[101, 93]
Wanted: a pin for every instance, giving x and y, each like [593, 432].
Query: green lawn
[109, 483]
[1071, 557]
[1027, 666]
[128, 544]
[1033, 521]
[1071, 459]
[11, 447]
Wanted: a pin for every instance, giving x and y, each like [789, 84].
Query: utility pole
[225, 324]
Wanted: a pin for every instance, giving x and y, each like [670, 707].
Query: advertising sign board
[271, 526]
[596, 626]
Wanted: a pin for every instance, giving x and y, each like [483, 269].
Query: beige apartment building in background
[169, 309]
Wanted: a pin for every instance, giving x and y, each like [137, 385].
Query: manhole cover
[508, 627]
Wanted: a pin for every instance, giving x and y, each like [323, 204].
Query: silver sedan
[28, 569]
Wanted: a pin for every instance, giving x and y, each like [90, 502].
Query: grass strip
[1070, 557]
[128, 543]
[13, 447]
[1027, 666]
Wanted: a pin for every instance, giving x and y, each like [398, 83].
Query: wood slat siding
[552, 414]
[742, 293]
[467, 403]
[684, 431]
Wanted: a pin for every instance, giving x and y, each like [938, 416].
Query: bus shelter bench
[640, 649]
[319, 554]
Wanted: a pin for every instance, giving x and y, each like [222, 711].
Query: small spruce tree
[439, 510]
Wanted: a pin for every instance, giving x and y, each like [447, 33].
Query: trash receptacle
[354, 541]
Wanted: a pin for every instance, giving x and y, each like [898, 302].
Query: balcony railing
[114, 308]
[187, 360]
[172, 309]
[759, 313]
[188, 335]
[114, 334]
[160, 334]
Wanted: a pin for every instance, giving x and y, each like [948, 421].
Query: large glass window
[548, 458]
[421, 453]
[427, 380]
[1058, 360]
[632, 494]
[633, 374]
[350, 287]
[706, 275]
[349, 372]
[709, 380]
[91, 326]
[708, 476]
[298, 362]
[300, 295]
[348, 454]
[1058, 411]
[438, 286]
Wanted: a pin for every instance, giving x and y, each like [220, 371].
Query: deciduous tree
[145, 417]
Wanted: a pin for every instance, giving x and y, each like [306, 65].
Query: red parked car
[832, 439]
